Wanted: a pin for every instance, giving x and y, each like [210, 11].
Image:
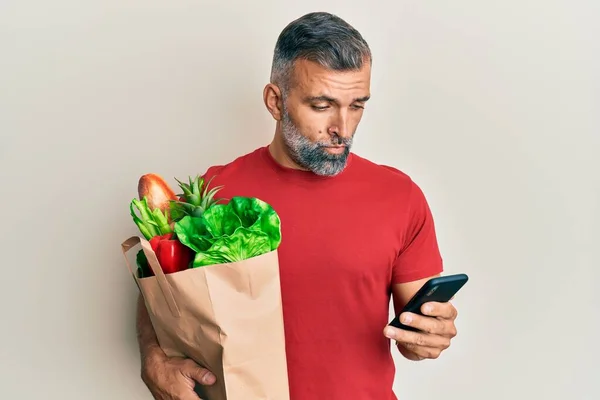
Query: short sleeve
[420, 255]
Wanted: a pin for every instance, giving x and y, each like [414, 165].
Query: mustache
[337, 140]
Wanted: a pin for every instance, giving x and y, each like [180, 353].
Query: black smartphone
[440, 289]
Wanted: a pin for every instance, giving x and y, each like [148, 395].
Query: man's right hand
[173, 378]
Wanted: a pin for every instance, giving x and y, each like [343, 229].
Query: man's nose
[339, 127]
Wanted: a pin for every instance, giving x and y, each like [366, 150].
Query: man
[354, 232]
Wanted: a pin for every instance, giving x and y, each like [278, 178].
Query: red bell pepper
[172, 255]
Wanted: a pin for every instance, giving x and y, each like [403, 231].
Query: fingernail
[389, 332]
[427, 309]
[407, 318]
[209, 379]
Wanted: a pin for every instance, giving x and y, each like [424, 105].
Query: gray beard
[313, 156]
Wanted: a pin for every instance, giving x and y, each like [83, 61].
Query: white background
[492, 106]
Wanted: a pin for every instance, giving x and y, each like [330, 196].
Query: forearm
[146, 336]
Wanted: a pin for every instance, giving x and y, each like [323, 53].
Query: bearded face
[325, 157]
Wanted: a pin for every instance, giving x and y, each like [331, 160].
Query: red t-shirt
[345, 241]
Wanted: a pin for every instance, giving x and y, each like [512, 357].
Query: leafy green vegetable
[242, 244]
[143, 268]
[192, 232]
[221, 219]
[243, 228]
[151, 222]
[258, 215]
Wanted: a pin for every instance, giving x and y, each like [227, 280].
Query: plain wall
[492, 107]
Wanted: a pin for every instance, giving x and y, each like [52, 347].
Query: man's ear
[273, 100]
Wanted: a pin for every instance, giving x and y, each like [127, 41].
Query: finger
[199, 374]
[440, 310]
[188, 396]
[422, 351]
[417, 338]
[431, 325]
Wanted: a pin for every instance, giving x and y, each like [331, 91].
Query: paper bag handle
[163, 283]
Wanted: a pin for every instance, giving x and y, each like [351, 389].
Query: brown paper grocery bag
[226, 317]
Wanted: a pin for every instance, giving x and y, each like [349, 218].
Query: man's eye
[320, 108]
[358, 107]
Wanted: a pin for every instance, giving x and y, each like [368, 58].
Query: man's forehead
[316, 82]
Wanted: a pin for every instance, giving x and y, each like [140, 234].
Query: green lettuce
[245, 227]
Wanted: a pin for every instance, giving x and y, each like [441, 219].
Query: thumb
[197, 373]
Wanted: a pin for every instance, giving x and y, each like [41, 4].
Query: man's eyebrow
[332, 100]
[321, 98]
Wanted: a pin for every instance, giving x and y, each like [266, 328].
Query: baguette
[157, 192]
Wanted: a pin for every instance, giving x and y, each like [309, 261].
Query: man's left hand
[436, 328]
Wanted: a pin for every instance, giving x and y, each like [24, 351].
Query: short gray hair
[320, 37]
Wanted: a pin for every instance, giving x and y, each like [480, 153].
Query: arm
[147, 341]
[166, 378]
[418, 261]
[401, 294]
